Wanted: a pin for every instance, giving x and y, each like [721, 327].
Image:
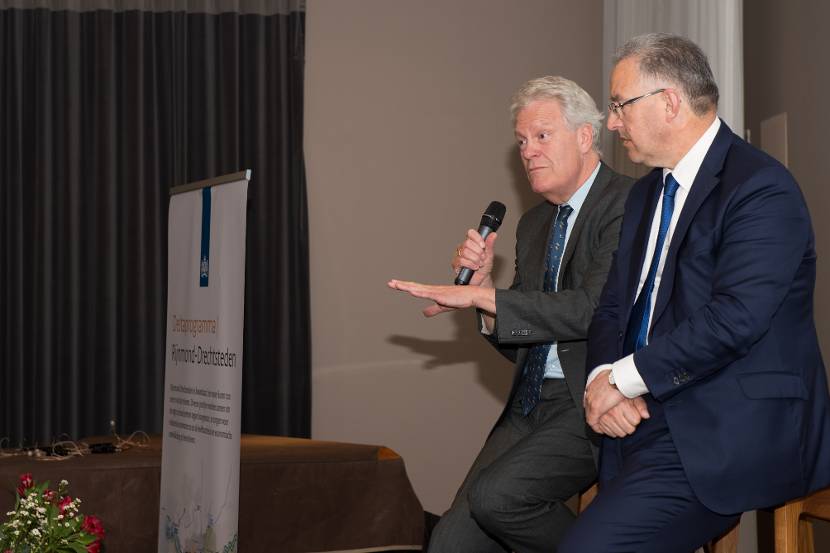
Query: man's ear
[672, 100]
[585, 138]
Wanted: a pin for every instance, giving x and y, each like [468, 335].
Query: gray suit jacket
[526, 316]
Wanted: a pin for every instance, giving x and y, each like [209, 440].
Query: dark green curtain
[101, 113]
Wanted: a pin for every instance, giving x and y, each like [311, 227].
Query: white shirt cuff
[484, 330]
[627, 378]
[595, 372]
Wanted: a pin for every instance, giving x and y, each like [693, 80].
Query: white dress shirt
[626, 375]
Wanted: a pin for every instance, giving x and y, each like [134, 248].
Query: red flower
[92, 525]
[26, 482]
[64, 503]
[94, 547]
[49, 496]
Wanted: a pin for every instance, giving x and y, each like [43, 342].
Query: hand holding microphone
[474, 257]
[475, 254]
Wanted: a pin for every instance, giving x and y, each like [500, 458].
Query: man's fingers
[490, 241]
[475, 237]
[640, 404]
[414, 288]
[610, 428]
[623, 423]
[402, 285]
[621, 420]
[609, 425]
[436, 309]
[470, 263]
[616, 424]
[630, 414]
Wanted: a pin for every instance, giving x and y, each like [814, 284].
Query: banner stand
[199, 499]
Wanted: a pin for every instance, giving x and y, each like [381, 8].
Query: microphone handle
[464, 276]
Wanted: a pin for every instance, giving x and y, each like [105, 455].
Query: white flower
[36, 533]
[41, 510]
[64, 483]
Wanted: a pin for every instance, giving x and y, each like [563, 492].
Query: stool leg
[727, 543]
[786, 527]
[806, 541]
[586, 497]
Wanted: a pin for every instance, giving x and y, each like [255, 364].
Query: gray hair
[578, 108]
[676, 59]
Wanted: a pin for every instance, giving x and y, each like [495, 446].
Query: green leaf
[86, 539]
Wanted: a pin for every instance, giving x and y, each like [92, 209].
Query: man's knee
[456, 532]
[492, 501]
[441, 539]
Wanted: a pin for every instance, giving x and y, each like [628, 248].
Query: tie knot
[564, 212]
[671, 186]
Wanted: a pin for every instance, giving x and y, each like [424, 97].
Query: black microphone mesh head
[494, 215]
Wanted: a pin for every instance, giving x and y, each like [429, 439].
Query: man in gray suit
[537, 455]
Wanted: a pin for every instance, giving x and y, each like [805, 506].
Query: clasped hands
[608, 411]
[474, 253]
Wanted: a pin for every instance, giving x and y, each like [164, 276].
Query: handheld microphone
[490, 222]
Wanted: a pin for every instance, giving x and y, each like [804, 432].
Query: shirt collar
[686, 169]
[579, 196]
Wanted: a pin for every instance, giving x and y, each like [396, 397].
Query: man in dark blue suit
[706, 378]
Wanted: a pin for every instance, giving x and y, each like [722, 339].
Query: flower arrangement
[49, 521]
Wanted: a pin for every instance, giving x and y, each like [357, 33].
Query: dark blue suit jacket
[732, 356]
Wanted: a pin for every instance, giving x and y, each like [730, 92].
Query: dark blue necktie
[534, 370]
[636, 334]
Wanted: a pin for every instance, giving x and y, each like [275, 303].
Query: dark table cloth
[295, 495]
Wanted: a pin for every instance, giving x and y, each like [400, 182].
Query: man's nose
[613, 122]
[530, 151]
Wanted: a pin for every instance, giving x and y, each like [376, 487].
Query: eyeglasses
[616, 107]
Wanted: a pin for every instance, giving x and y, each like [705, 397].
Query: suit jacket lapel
[594, 194]
[538, 248]
[640, 243]
[706, 180]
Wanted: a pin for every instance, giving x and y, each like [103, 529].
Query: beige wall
[785, 70]
[787, 53]
[407, 140]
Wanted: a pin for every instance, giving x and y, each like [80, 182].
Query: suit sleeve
[764, 239]
[533, 316]
[603, 333]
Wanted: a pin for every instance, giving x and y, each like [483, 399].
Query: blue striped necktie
[534, 370]
[636, 334]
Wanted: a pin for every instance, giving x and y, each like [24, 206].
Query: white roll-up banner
[199, 502]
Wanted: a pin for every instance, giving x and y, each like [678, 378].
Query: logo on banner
[203, 270]
[204, 264]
